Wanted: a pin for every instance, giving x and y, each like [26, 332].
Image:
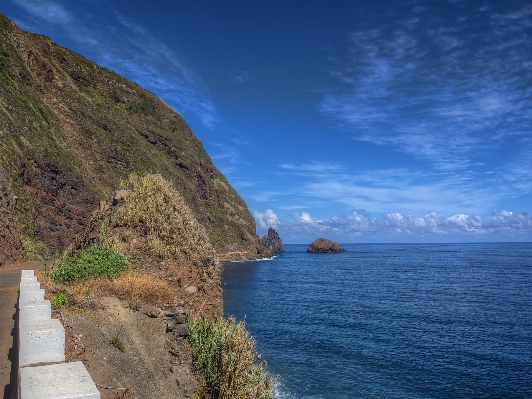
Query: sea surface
[391, 320]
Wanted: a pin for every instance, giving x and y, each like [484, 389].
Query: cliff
[97, 169]
[71, 130]
[11, 244]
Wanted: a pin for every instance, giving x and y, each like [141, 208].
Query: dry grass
[140, 288]
[155, 229]
[156, 210]
[129, 286]
[33, 249]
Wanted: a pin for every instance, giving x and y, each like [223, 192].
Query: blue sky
[360, 121]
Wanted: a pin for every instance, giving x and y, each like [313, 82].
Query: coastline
[383, 319]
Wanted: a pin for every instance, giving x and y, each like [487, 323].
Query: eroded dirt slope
[148, 366]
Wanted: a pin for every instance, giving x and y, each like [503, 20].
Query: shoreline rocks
[324, 246]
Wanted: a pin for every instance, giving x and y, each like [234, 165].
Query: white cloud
[48, 10]
[434, 91]
[266, 219]
[403, 190]
[227, 152]
[304, 217]
[264, 196]
[359, 224]
[314, 167]
[292, 207]
[242, 77]
[514, 20]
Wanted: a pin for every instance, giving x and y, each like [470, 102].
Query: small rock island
[273, 241]
[324, 246]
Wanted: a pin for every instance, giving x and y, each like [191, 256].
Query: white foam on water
[280, 391]
[272, 258]
[239, 261]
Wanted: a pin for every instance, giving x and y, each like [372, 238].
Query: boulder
[191, 290]
[170, 325]
[273, 241]
[119, 197]
[182, 331]
[323, 245]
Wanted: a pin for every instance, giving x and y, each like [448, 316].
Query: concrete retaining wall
[41, 342]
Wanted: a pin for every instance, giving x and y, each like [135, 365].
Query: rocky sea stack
[324, 246]
[272, 240]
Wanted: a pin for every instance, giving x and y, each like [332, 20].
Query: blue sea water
[391, 320]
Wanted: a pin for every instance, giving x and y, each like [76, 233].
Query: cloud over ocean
[360, 225]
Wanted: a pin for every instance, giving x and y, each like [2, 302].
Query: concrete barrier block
[34, 311]
[27, 273]
[30, 286]
[32, 279]
[65, 381]
[28, 295]
[42, 341]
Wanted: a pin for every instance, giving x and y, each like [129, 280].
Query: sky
[358, 121]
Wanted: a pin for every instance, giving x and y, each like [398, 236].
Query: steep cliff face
[11, 244]
[71, 130]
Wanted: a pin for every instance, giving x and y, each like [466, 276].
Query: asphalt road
[9, 283]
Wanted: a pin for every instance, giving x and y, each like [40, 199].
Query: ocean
[391, 320]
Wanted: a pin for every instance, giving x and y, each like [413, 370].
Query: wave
[247, 260]
[280, 391]
[272, 258]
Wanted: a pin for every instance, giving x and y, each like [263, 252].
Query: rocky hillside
[11, 245]
[150, 223]
[71, 130]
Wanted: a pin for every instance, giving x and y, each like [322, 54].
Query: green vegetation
[117, 343]
[226, 361]
[98, 260]
[59, 301]
[67, 122]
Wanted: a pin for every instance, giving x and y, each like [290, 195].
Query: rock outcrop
[323, 245]
[10, 243]
[71, 131]
[272, 240]
[151, 224]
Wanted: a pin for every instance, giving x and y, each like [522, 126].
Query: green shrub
[59, 301]
[226, 360]
[117, 343]
[98, 260]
